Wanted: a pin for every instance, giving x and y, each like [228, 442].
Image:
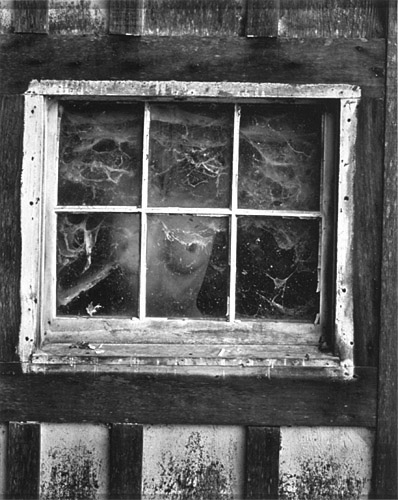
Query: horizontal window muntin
[42, 326]
[190, 127]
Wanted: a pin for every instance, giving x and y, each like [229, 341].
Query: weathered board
[126, 17]
[190, 399]
[31, 16]
[125, 468]
[367, 241]
[23, 460]
[259, 18]
[262, 18]
[386, 462]
[262, 462]
[11, 131]
[27, 57]
[331, 18]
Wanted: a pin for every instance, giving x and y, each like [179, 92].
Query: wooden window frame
[252, 348]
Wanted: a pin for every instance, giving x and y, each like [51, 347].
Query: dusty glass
[100, 153]
[277, 268]
[97, 264]
[190, 155]
[187, 266]
[280, 157]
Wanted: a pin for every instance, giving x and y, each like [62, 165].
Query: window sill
[271, 361]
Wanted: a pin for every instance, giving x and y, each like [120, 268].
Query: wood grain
[126, 17]
[125, 468]
[27, 57]
[11, 131]
[368, 192]
[197, 400]
[386, 463]
[196, 17]
[23, 461]
[331, 18]
[262, 18]
[262, 462]
[31, 16]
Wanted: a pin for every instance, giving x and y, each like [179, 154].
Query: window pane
[277, 268]
[100, 154]
[280, 157]
[97, 264]
[187, 266]
[190, 155]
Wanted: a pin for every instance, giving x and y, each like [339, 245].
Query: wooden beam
[126, 17]
[23, 461]
[386, 464]
[31, 16]
[262, 462]
[11, 150]
[262, 18]
[27, 57]
[172, 399]
[126, 444]
[368, 191]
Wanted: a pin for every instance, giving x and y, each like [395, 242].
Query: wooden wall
[303, 41]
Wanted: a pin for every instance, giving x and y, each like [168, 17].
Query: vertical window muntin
[144, 211]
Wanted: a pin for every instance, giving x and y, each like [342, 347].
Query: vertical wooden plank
[126, 442]
[126, 17]
[31, 16]
[262, 18]
[11, 133]
[330, 19]
[262, 462]
[368, 193]
[386, 434]
[78, 17]
[194, 17]
[23, 461]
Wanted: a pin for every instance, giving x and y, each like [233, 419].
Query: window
[200, 227]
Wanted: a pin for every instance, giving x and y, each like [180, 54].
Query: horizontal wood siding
[27, 57]
[23, 461]
[190, 399]
[11, 131]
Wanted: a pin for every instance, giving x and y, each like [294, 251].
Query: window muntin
[191, 153]
[61, 329]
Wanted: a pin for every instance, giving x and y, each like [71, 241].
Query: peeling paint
[323, 478]
[74, 462]
[73, 474]
[327, 463]
[193, 463]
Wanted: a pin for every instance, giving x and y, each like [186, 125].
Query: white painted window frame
[268, 348]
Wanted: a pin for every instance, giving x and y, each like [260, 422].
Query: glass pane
[280, 157]
[100, 154]
[190, 155]
[277, 268]
[98, 264]
[187, 266]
